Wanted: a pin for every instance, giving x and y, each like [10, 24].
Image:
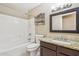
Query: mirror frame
[63, 12]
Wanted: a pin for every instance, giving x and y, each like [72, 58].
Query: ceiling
[20, 8]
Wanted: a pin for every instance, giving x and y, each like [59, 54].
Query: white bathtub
[18, 50]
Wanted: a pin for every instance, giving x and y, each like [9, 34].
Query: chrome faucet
[29, 35]
[59, 38]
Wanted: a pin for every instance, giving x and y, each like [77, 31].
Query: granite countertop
[71, 46]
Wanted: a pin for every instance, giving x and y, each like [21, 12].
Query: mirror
[66, 21]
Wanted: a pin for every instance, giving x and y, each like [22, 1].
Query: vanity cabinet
[67, 51]
[47, 52]
[48, 49]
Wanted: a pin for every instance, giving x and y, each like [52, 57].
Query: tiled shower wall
[13, 30]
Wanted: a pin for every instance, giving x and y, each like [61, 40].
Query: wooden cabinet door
[47, 52]
[67, 51]
[48, 45]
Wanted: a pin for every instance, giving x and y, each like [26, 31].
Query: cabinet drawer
[48, 45]
[47, 52]
[67, 51]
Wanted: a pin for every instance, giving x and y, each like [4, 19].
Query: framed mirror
[65, 21]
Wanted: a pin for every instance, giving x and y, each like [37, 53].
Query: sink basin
[63, 42]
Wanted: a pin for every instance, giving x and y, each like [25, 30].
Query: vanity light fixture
[60, 6]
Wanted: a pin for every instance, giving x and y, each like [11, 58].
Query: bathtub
[18, 50]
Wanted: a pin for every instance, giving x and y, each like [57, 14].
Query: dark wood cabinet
[49, 46]
[47, 52]
[48, 49]
[67, 51]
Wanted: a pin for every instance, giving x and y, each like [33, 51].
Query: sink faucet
[60, 38]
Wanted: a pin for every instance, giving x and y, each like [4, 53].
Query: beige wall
[46, 8]
[43, 8]
[40, 29]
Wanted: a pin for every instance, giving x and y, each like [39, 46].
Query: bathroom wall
[46, 8]
[43, 8]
